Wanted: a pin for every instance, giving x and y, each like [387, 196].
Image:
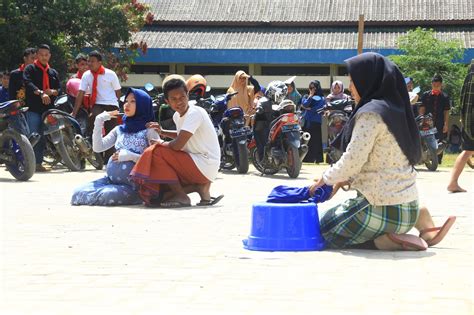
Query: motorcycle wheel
[294, 163]
[96, 160]
[431, 162]
[19, 147]
[259, 166]
[241, 157]
[69, 155]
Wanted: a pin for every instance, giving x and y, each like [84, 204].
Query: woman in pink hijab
[337, 92]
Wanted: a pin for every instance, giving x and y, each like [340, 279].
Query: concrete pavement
[60, 259]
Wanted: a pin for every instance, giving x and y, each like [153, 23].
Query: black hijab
[382, 89]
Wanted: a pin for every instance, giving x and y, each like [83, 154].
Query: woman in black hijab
[381, 145]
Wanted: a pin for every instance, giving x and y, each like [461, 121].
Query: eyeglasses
[312, 87]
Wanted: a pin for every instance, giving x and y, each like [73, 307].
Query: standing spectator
[337, 92]
[413, 96]
[42, 88]
[17, 91]
[467, 120]
[293, 93]
[245, 95]
[312, 121]
[82, 65]
[437, 103]
[104, 87]
[4, 88]
[16, 88]
[74, 83]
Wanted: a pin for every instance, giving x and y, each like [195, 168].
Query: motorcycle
[338, 113]
[66, 138]
[286, 145]
[231, 131]
[429, 144]
[16, 151]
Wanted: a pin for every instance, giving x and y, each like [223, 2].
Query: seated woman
[337, 92]
[381, 146]
[168, 171]
[130, 140]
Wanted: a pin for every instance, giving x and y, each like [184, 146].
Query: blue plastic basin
[284, 227]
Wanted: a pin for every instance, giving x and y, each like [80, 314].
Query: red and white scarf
[46, 85]
[94, 83]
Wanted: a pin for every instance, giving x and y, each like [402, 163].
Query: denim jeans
[36, 125]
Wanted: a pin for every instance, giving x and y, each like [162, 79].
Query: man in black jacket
[437, 102]
[17, 91]
[42, 88]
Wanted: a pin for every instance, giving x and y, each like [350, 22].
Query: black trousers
[315, 144]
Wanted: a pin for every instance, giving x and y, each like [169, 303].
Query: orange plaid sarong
[160, 165]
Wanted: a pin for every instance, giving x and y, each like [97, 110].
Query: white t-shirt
[203, 146]
[107, 84]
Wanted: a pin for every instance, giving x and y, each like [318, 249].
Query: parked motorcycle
[66, 138]
[231, 131]
[429, 144]
[16, 151]
[338, 113]
[287, 144]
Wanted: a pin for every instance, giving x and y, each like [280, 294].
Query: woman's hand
[342, 185]
[154, 125]
[317, 183]
[115, 156]
[113, 114]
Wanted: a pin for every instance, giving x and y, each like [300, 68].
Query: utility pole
[360, 41]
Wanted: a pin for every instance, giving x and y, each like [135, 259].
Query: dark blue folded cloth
[287, 194]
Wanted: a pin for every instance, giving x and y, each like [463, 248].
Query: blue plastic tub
[284, 227]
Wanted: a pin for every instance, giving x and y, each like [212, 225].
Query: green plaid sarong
[356, 221]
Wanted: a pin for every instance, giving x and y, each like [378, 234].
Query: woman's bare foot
[392, 241]
[455, 188]
[425, 221]
[384, 243]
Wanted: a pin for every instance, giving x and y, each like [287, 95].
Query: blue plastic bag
[287, 194]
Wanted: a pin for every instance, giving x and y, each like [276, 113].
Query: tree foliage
[423, 55]
[69, 26]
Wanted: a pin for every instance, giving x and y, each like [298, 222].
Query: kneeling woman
[130, 140]
[381, 145]
[168, 171]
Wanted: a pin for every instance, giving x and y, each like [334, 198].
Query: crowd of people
[148, 164]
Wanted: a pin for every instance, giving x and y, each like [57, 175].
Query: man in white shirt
[103, 86]
[167, 172]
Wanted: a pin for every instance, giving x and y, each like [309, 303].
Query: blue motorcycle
[16, 151]
[231, 131]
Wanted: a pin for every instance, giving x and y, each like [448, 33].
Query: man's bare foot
[204, 191]
[455, 188]
[169, 197]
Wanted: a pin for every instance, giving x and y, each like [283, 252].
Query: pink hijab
[339, 96]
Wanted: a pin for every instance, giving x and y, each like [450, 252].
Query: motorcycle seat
[6, 107]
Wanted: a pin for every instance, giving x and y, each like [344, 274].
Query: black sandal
[213, 201]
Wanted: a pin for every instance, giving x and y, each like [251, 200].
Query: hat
[408, 80]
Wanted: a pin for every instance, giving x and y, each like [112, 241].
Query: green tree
[423, 55]
[69, 26]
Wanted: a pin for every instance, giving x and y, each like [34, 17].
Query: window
[214, 70]
[150, 69]
[342, 70]
[296, 70]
